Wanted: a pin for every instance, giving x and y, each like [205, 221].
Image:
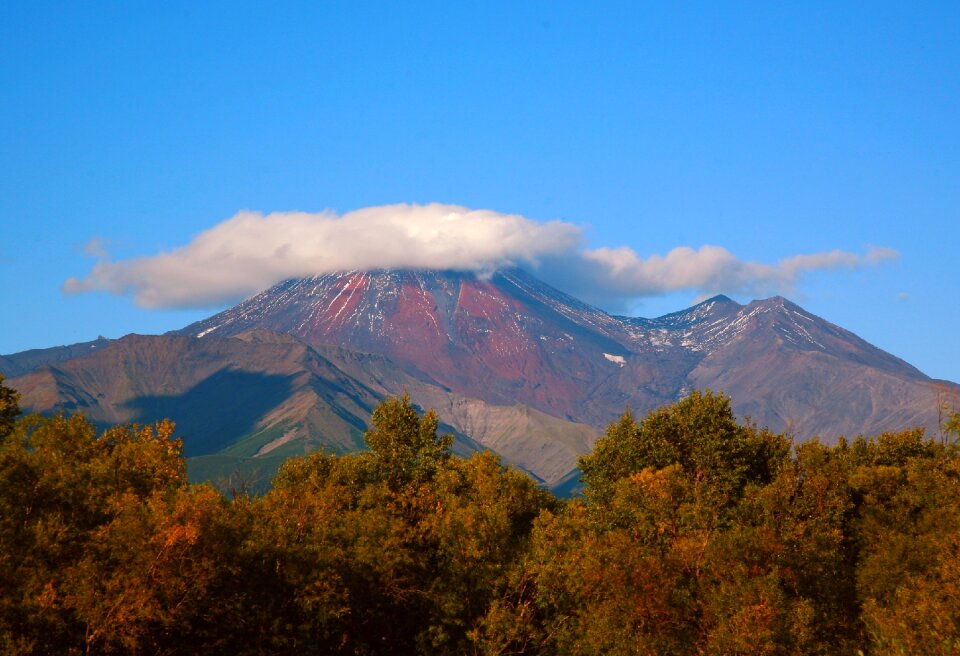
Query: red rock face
[510, 338]
[506, 339]
[503, 339]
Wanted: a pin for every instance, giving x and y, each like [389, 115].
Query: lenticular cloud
[250, 251]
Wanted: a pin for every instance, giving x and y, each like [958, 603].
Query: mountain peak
[476, 345]
[711, 308]
[719, 298]
[508, 337]
[775, 301]
[504, 337]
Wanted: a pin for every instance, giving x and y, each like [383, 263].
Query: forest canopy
[695, 534]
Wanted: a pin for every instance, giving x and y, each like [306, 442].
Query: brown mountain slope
[510, 363]
[24, 362]
[791, 370]
[541, 444]
[263, 394]
[510, 338]
[218, 391]
[503, 339]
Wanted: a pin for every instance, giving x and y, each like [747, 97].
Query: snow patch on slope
[619, 359]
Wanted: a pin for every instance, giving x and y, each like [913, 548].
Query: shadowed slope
[268, 395]
[219, 391]
[511, 338]
[509, 363]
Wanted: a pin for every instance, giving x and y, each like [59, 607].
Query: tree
[478, 529]
[147, 579]
[698, 433]
[951, 425]
[404, 447]
[61, 487]
[398, 549]
[920, 616]
[907, 528]
[9, 407]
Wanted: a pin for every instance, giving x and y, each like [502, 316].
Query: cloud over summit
[250, 251]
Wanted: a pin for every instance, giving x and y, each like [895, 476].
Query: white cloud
[251, 251]
[609, 276]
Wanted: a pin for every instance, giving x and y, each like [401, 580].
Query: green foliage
[9, 407]
[697, 535]
[402, 546]
[952, 424]
[405, 447]
[698, 433]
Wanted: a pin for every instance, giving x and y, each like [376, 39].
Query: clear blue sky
[770, 130]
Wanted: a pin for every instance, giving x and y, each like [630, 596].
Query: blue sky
[770, 131]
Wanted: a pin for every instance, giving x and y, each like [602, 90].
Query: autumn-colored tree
[479, 528]
[920, 616]
[143, 583]
[951, 424]
[908, 520]
[796, 530]
[61, 486]
[397, 549]
[697, 534]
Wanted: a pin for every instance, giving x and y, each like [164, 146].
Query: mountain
[261, 396]
[791, 370]
[503, 339]
[511, 338]
[509, 363]
[26, 361]
[220, 391]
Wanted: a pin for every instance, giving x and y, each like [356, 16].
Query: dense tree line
[695, 534]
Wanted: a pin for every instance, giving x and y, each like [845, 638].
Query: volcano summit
[511, 338]
[509, 362]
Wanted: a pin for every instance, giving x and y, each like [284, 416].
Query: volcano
[503, 339]
[509, 363]
[509, 337]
